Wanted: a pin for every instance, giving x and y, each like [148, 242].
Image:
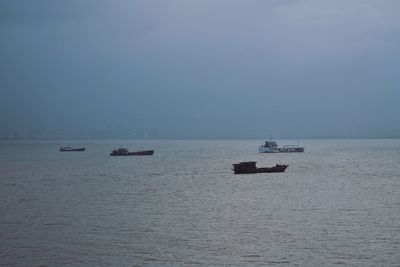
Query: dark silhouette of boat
[250, 167]
[125, 152]
[71, 149]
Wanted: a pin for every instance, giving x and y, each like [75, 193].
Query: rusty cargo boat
[250, 167]
[125, 152]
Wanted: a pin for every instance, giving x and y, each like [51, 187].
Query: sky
[200, 69]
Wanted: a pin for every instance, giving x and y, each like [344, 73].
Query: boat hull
[276, 168]
[137, 153]
[263, 149]
[281, 150]
[292, 149]
[72, 149]
[250, 167]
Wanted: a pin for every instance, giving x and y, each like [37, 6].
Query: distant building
[15, 134]
[147, 133]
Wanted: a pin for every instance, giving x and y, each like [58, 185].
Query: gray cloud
[201, 68]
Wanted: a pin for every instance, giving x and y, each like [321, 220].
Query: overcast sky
[202, 69]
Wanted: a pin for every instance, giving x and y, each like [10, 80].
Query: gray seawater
[337, 204]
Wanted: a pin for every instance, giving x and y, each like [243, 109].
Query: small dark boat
[250, 167]
[124, 152]
[71, 149]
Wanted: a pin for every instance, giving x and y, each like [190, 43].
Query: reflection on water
[337, 204]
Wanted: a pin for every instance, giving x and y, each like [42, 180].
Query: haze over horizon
[199, 69]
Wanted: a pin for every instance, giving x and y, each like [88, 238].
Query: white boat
[269, 147]
[272, 147]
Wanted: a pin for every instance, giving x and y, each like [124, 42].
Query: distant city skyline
[153, 133]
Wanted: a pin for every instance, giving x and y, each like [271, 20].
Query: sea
[337, 204]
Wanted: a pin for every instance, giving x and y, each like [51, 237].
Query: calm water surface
[337, 204]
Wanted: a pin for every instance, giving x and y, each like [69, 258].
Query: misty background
[199, 69]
